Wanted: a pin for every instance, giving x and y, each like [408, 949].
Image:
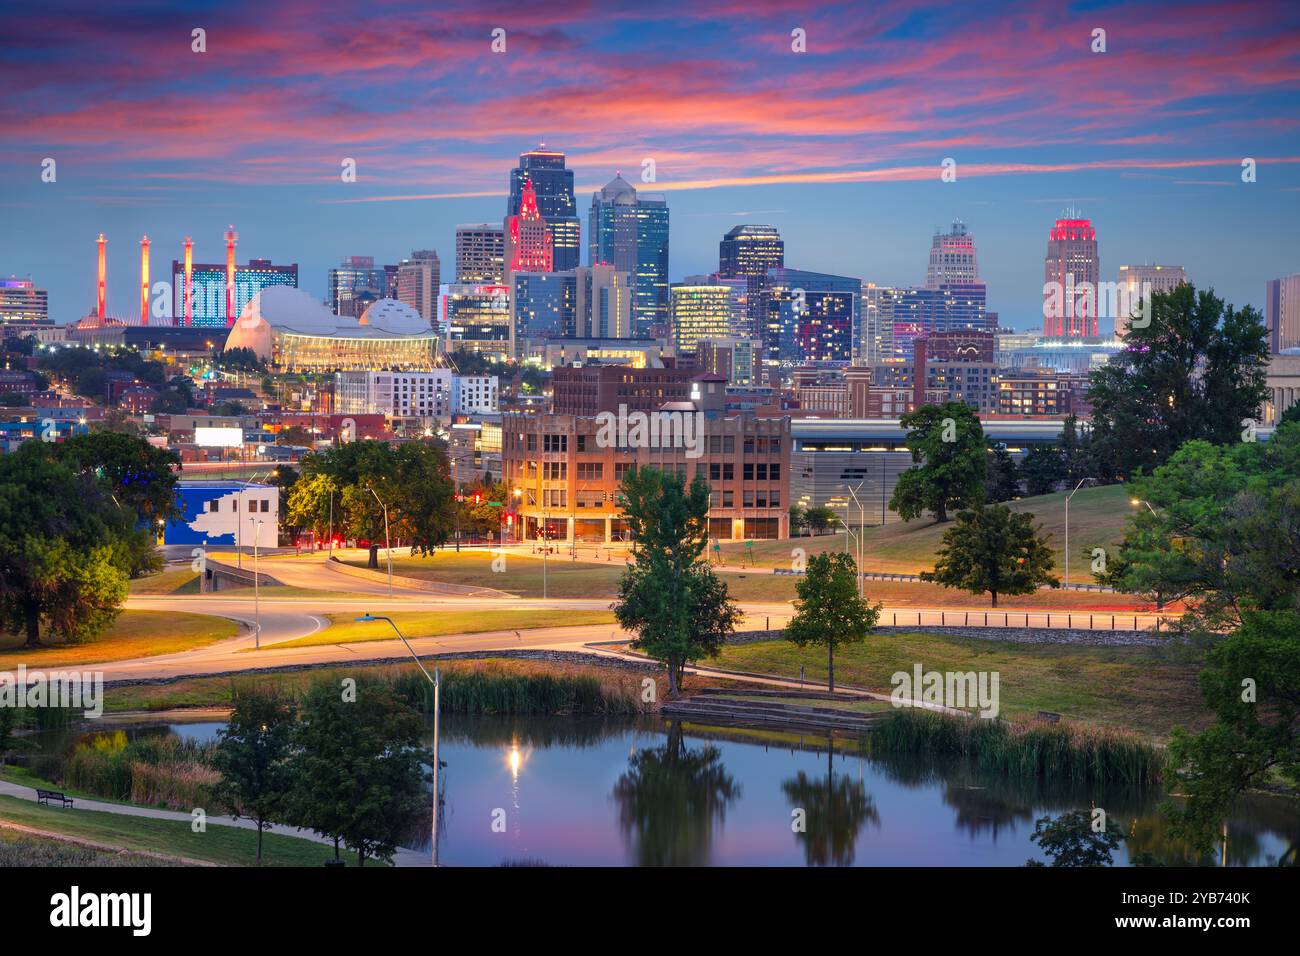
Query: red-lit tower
[529, 245]
[189, 281]
[103, 282]
[144, 280]
[231, 238]
[1071, 273]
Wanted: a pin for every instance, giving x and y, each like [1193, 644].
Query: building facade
[354, 285]
[1070, 270]
[952, 258]
[480, 254]
[629, 230]
[1282, 313]
[750, 252]
[553, 185]
[208, 288]
[418, 281]
[22, 305]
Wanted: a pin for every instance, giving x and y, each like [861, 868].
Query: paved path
[403, 857]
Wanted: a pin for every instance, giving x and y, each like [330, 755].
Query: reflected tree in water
[835, 811]
[669, 801]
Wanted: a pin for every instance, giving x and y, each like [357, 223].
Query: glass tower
[630, 231]
[554, 185]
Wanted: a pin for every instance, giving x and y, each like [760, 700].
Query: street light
[436, 680]
[387, 546]
[862, 524]
[257, 607]
[1082, 482]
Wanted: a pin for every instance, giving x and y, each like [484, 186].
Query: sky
[839, 146]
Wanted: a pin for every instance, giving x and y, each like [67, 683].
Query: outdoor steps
[712, 708]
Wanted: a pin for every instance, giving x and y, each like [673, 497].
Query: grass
[345, 629]
[183, 581]
[1025, 748]
[28, 849]
[1098, 517]
[1136, 688]
[134, 634]
[226, 845]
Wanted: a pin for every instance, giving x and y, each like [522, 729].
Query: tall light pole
[862, 524]
[436, 680]
[257, 606]
[1082, 482]
[387, 545]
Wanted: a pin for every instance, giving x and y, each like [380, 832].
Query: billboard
[211, 437]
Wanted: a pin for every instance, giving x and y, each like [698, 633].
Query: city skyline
[840, 147]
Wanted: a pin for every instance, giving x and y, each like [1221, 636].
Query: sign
[212, 437]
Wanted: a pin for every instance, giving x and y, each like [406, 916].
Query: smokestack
[918, 373]
[189, 281]
[231, 238]
[102, 294]
[144, 281]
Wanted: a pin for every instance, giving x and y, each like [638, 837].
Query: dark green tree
[820, 519]
[995, 550]
[252, 756]
[1072, 840]
[669, 596]
[1042, 470]
[947, 446]
[834, 812]
[828, 612]
[798, 519]
[1002, 476]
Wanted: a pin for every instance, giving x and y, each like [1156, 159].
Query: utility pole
[387, 544]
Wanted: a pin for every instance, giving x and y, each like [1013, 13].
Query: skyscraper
[480, 253]
[22, 304]
[553, 185]
[952, 257]
[699, 311]
[630, 231]
[529, 244]
[1138, 280]
[1070, 276]
[603, 304]
[749, 252]
[418, 279]
[811, 317]
[1282, 313]
[353, 286]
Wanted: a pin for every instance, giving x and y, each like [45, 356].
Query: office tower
[476, 317]
[739, 361]
[206, 285]
[603, 303]
[749, 252]
[418, 279]
[480, 253]
[543, 305]
[1282, 313]
[896, 317]
[629, 230]
[1070, 276]
[698, 311]
[529, 244]
[22, 304]
[553, 184]
[810, 317]
[1135, 281]
[952, 257]
[355, 285]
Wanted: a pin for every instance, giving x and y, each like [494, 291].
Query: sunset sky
[839, 147]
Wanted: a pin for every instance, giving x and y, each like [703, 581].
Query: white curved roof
[284, 307]
[396, 318]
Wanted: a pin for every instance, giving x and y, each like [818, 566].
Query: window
[590, 470]
[266, 505]
[532, 442]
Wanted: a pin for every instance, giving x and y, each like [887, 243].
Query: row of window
[214, 505]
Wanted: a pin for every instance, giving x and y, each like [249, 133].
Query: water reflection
[835, 811]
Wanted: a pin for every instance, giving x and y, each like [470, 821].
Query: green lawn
[133, 634]
[345, 629]
[1134, 687]
[18, 849]
[182, 581]
[230, 846]
[1097, 519]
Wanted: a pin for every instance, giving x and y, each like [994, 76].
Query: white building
[474, 394]
[439, 394]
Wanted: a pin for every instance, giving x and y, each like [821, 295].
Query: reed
[490, 691]
[158, 770]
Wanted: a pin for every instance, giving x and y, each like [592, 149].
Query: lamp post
[387, 545]
[436, 680]
[862, 524]
[257, 606]
[1082, 482]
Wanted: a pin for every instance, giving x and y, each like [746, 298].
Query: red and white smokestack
[231, 238]
[103, 287]
[144, 280]
[189, 281]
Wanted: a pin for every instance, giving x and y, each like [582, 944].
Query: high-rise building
[739, 361]
[1135, 281]
[629, 230]
[208, 288]
[811, 317]
[603, 303]
[529, 244]
[354, 286]
[544, 305]
[477, 318]
[896, 317]
[553, 184]
[22, 304]
[418, 279]
[750, 252]
[1282, 313]
[480, 254]
[1070, 276]
[952, 257]
[698, 311]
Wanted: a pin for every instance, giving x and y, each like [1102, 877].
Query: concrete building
[1137, 280]
[952, 258]
[699, 311]
[1283, 384]
[418, 281]
[22, 305]
[593, 389]
[480, 254]
[1070, 268]
[1282, 313]
[738, 360]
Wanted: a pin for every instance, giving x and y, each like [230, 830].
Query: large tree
[1195, 372]
[670, 596]
[829, 612]
[993, 550]
[947, 446]
[252, 756]
[1001, 476]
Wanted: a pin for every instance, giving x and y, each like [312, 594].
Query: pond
[617, 792]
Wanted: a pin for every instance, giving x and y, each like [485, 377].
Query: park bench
[45, 796]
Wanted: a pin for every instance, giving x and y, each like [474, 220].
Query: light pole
[387, 545]
[862, 524]
[1082, 482]
[436, 680]
[257, 606]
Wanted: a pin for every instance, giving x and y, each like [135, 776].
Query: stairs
[714, 707]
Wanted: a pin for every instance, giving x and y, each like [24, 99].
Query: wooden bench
[45, 796]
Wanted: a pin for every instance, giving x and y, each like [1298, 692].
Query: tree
[1197, 371]
[309, 503]
[64, 545]
[357, 769]
[819, 519]
[1042, 470]
[670, 596]
[1001, 477]
[252, 756]
[993, 549]
[947, 446]
[798, 519]
[1072, 840]
[1251, 682]
[829, 611]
